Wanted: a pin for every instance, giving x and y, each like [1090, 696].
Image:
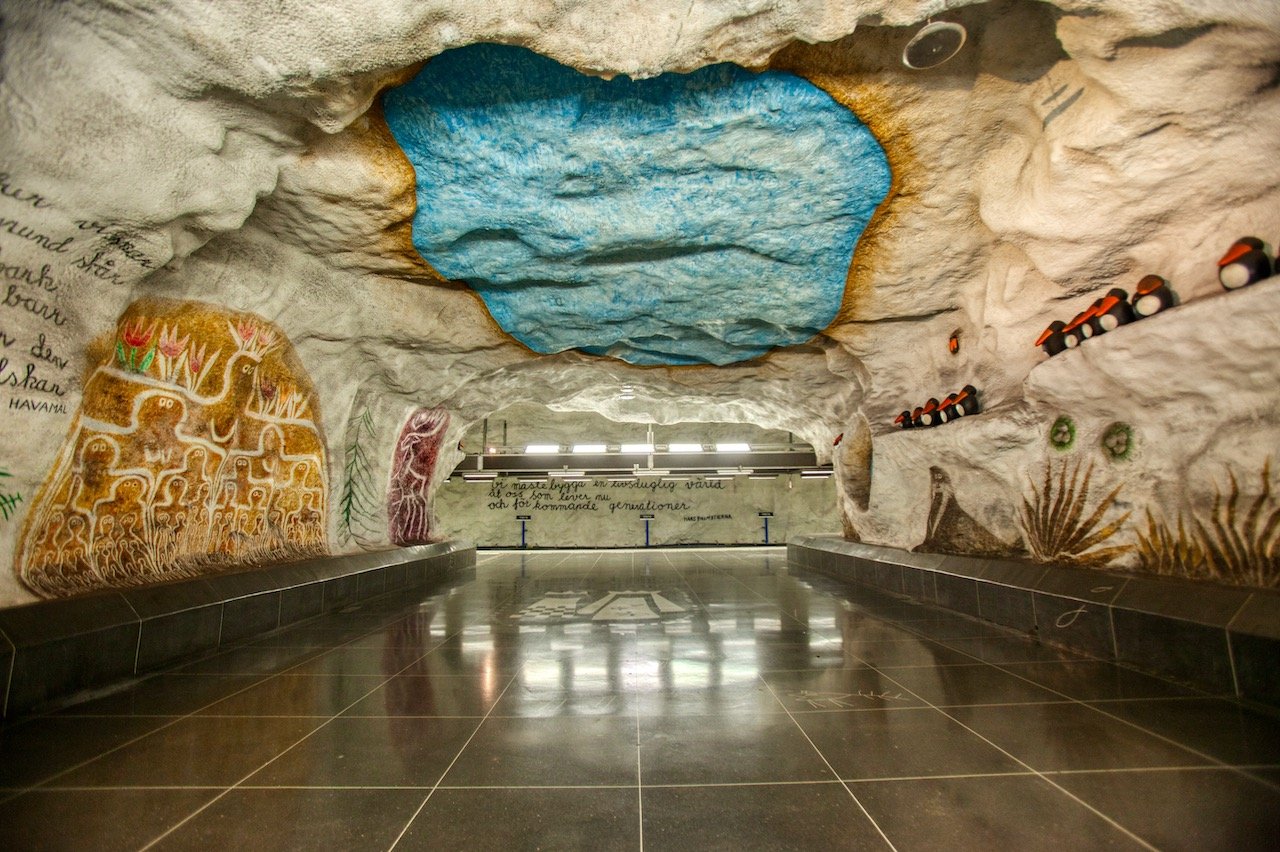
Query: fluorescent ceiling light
[718, 478]
[637, 448]
[479, 476]
[542, 448]
[734, 472]
[684, 448]
[541, 479]
[763, 476]
[589, 448]
[573, 473]
[652, 471]
[733, 448]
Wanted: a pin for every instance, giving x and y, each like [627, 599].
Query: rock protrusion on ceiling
[702, 218]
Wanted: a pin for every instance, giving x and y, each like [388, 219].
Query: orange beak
[1235, 253]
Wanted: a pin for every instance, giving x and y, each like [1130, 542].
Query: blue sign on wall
[687, 219]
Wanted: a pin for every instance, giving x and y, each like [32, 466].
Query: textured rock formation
[1070, 147]
[697, 218]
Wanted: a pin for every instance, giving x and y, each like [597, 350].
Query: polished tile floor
[678, 699]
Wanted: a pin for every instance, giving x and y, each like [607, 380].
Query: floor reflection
[613, 694]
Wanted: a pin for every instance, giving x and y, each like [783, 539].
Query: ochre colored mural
[196, 448]
[408, 500]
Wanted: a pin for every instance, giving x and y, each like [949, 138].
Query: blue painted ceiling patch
[687, 219]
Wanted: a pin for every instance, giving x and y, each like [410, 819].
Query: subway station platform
[658, 699]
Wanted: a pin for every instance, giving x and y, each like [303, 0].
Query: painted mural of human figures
[412, 466]
[195, 449]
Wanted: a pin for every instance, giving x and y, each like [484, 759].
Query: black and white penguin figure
[967, 401]
[1078, 330]
[1152, 295]
[947, 409]
[1052, 340]
[1244, 263]
[917, 416]
[929, 414]
[903, 420]
[1111, 311]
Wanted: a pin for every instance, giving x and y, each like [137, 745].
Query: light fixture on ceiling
[934, 44]
[636, 448]
[542, 449]
[733, 447]
[589, 448]
[684, 448]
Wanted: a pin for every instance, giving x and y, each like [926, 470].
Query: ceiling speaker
[936, 42]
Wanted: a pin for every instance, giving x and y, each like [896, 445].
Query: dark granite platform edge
[1222, 639]
[52, 649]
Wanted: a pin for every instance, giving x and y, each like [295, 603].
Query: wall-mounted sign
[765, 514]
[524, 517]
[646, 517]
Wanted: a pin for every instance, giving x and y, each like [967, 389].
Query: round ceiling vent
[936, 42]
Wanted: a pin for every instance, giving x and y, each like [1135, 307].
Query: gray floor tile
[527, 819]
[33, 750]
[967, 685]
[558, 751]
[905, 742]
[1021, 812]
[99, 820]
[1220, 729]
[196, 750]
[296, 695]
[760, 748]
[1185, 809]
[773, 817]
[1088, 680]
[371, 752]
[299, 819]
[1071, 736]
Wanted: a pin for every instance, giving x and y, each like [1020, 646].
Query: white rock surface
[230, 154]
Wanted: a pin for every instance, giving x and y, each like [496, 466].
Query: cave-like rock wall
[217, 314]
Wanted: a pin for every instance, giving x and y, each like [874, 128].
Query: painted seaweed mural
[360, 503]
[1055, 523]
[1233, 544]
[9, 500]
